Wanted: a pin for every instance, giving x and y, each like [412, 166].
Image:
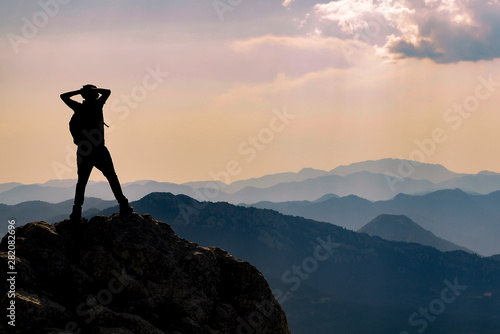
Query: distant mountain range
[402, 228]
[372, 180]
[56, 191]
[299, 228]
[471, 221]
[327, 278]
[42, 211]
[8, 186]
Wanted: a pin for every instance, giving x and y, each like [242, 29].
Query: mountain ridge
[388, 178]
[435, 173]
[402, 228]
[466, 220]
[437, 212]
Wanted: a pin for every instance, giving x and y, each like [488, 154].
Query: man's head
[89, 92]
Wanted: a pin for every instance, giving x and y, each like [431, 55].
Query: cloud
[445, 31]
[296, 56]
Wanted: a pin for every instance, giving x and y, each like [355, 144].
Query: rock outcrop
[133, 274]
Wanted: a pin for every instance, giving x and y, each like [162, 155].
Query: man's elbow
[105, 93]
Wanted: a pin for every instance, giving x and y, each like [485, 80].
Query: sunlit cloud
[442, 30]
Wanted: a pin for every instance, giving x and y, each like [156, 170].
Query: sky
[234, 89]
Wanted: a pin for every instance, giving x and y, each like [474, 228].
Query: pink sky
[359, 80]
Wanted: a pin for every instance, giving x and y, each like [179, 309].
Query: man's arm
[66, 97]
[105, 93]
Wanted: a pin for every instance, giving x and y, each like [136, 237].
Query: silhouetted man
[87, 128]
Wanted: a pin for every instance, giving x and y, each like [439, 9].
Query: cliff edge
[132, 274]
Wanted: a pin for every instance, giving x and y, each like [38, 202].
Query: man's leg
[84, 169]
[105, 164]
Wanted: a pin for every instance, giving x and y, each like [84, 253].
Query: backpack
[78, 123]
[76, 127]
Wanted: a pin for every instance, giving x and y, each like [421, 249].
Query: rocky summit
[132, 274]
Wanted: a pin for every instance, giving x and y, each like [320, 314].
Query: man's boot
[125, 208]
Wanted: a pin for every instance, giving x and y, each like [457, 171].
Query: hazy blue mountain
[274, 179]
[135, 191]
[364, 184]
[36, 192]
[482, 183]
[471, 221]
[325, 197]
[63, 183]
[490, 201]
[487, 172]
[353, 276]
[351, 211]
[402, 228]
[206, 184]
[9, 186]
[52, 191]
[399, 167]
[31, 211]
[373, 180]
[453, 215]
[265, 181]
[55, 192]
[495, 257]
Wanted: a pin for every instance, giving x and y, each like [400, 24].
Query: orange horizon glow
[223, 88]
